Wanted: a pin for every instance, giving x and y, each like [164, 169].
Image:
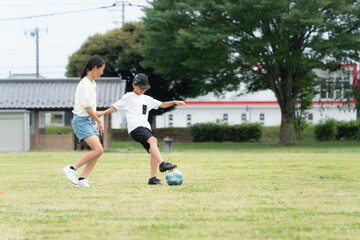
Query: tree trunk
[286, 93]
[298, 134]
[285, 129]
[299, 119]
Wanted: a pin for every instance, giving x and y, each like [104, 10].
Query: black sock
[73, 168]
[81, 178]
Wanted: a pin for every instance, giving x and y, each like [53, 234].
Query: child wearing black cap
[137, 107]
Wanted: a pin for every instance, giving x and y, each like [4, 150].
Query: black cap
[141, 81]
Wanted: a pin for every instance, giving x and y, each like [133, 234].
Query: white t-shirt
[85, 96]
[137, 108]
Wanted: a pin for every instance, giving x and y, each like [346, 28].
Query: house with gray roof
[39, 95]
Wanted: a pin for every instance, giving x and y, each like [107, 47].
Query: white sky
[65, 33]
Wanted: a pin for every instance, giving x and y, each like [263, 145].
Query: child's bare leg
[154, 150]
[155, 156]
[91, 157]
[153, 167]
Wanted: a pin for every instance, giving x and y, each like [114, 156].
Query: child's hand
[180, 103]
[99, 114]
[100, 128]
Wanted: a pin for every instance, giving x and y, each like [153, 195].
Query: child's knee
[99, 151]
[152, 140]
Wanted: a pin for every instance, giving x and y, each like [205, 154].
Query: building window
[336, 86]
[189, 124]
[57, 118]
[310, 116]
[170, 124]
[189, 117]
[170, 117]
[225, 117]
[262, 117]
[243, 117]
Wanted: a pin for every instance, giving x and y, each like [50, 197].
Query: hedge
[340, 130]
[347, 130]
[326, 130]
[216, 132]
[177, 134]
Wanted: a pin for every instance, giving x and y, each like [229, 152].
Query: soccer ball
[174, 177]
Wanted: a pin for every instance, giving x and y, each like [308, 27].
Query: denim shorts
[84, 127]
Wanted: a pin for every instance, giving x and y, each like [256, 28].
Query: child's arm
[172, 103]
[94, 116]
[107, 111]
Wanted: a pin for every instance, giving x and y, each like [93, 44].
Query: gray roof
[55, 94]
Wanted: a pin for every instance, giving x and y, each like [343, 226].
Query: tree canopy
[119, 49]
[212, 45]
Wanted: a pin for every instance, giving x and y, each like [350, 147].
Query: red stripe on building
[259, 103]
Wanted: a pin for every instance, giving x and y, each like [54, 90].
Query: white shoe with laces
[83, 183]
[71, 174]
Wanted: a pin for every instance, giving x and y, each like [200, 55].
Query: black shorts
[142, 135]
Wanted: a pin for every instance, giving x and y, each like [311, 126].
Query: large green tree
[212, 45]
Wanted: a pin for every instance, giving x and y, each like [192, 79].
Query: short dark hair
[95, 60]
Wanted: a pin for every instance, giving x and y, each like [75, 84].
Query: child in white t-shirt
[84, 120]
[137, 107]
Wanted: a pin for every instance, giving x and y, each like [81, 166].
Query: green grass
[230, 191]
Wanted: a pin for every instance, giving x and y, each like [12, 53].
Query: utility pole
[35, 34]
[123, 11]
[37, 51]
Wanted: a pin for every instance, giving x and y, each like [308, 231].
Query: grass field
[230, 191]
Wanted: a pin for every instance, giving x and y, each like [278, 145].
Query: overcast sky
[60, 35]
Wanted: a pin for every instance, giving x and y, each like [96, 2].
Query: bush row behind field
[329, 129]
[268, 133]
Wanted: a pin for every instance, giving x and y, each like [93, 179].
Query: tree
[304, 102]
[215, 44]
[120, 50]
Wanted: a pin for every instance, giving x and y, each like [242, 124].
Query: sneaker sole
[81, 186]
[64, 169]
[169, 169]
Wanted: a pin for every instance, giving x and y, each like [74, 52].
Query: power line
[69, 12]
[49, 66]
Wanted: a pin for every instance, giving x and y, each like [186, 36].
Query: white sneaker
[71, 174]
[83, 183]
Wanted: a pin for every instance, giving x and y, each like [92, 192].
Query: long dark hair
[94, 61]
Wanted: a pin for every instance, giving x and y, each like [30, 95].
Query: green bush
[348, 130]
[58, 130]
[326, 130]
[221, 132]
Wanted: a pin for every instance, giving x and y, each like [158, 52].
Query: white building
[262, 107]
[259, 107]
